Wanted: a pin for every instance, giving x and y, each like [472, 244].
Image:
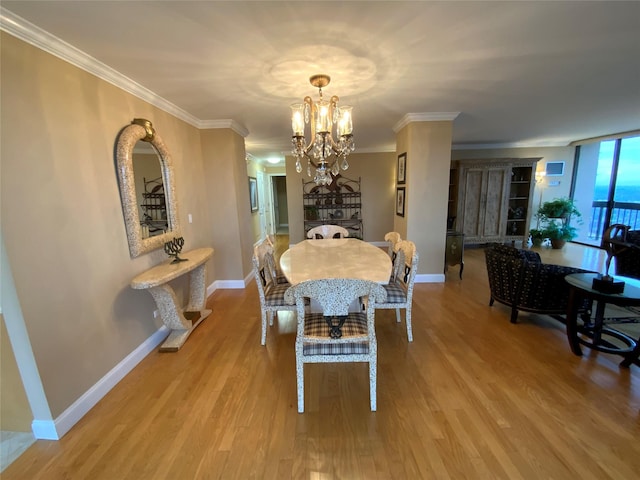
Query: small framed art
[253, 194]
[402, 168]
[400, 201]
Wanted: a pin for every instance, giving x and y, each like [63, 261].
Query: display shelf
[338, 204]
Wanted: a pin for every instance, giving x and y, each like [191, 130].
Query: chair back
[335, 295]
[264, 263]
[406, 264]
[328, 231]
[392, 238]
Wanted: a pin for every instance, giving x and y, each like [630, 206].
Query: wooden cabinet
[337, 204]
[494, 199]
[453, 197]
[454, 253]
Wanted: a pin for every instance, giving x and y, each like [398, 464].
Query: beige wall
[62, 218]
[428, 148]
[230, 215]
[377, 173]
[15, 413]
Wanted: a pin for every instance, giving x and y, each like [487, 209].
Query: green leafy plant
[559, 231]
[554, 217]
[537, 236]
[558, 208]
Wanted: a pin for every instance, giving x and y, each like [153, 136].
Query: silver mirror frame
[142, 129]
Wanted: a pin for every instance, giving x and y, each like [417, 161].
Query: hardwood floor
[473, 396]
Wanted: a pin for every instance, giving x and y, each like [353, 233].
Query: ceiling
[519, 73]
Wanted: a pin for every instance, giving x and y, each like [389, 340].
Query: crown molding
[226, 123]
[613, 136]
[424, 117]
[39, 38]
[489, 146]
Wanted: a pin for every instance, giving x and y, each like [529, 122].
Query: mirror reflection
[150, 193]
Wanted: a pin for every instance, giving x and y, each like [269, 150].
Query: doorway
[280, 207]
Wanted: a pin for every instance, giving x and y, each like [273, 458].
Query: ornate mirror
[147, 188]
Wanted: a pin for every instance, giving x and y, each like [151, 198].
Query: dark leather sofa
[519, 279]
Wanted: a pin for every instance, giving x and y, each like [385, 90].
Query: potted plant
[554, 217]
[537, 236]
[559, 233]
[563, 208]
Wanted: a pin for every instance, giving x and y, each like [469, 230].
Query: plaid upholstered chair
[400, 287]
[328, 231]
[336, 335]
[519, 279]
[270, 291]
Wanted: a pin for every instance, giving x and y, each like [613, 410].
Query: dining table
[335, 258]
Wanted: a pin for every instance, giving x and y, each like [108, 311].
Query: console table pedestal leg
[181, 322]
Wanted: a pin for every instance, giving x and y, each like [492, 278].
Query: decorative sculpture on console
[173, 249]
[614, 242]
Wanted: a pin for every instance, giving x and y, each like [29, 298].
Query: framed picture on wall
[400, 201]
[253, 194]
[402, 168]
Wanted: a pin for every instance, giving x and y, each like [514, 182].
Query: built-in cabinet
[492, 199]
[338, 204]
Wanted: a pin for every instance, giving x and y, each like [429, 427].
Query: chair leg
[263, 338]
[514, 315]
[491, 302]
[398, 316]
[300, 383]
[373, 375]
[407, 319]
[271, 315]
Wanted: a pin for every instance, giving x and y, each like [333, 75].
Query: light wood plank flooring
[473, 396]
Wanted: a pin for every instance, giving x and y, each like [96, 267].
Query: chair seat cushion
[274, 293]
[355, 325]
[396, 292]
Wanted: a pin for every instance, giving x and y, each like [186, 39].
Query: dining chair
[392, 238]
[327, 231]
[271, 292]
[275, 271]
[400, 288]
[336, 334]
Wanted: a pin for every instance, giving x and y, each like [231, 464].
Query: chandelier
[323, 116]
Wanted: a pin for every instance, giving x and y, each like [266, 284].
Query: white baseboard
[44, 430]
[55, 429]
[429, 278]
[227, 284]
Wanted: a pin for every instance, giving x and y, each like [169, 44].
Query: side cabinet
[494, 199]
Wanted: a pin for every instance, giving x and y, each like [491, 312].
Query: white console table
[181, 321]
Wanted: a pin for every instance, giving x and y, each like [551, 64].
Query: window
[607, 186]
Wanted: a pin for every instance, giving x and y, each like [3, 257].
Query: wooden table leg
[631, 356]
[572, 320]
